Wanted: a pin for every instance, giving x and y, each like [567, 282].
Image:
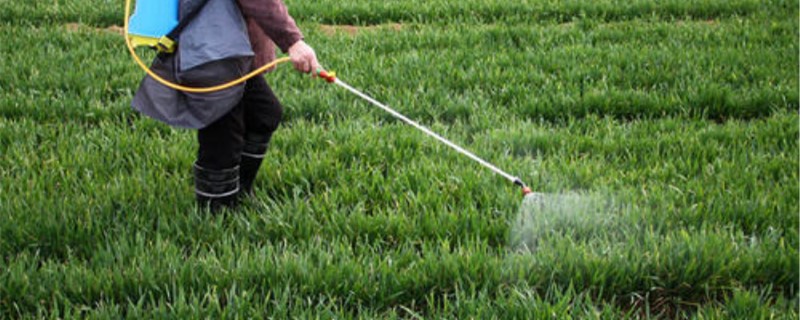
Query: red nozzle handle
[330, 77]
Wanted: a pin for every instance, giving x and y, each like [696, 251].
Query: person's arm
[273, 17]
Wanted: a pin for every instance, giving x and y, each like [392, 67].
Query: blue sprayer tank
[151, 20]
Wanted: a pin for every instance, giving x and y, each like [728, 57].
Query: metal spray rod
[330, 77]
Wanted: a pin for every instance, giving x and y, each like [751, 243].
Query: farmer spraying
[220, 41]
[207, 76]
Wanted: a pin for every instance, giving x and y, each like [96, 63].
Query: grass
[684, 113]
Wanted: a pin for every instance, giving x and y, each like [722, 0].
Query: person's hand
[303, 57]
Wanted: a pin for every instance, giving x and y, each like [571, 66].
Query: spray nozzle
[525, 189]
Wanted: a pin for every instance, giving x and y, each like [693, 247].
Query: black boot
[255, 146]
[248, 170]
[216, 189]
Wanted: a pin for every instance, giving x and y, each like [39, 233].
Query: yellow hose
[184, 88]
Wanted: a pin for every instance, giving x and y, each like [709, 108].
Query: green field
[684, 114]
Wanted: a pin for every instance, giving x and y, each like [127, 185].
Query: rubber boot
[255, 147]
[216, 189]
[248, 170]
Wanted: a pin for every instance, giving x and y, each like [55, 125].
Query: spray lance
[155, 24]
[330, 77]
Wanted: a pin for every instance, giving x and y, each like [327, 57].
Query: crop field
[679, 118]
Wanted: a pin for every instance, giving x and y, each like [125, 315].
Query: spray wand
[330, 77]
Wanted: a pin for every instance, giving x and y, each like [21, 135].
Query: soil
[352, 30]
[76, 27]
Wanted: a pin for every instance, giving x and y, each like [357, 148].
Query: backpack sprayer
[156, 24]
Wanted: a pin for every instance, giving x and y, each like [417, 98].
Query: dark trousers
[246, 129]
[231, 148]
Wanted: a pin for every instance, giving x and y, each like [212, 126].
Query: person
[224, 41]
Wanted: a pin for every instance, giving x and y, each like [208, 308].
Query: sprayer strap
[167, 42]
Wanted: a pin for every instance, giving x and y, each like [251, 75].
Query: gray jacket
[213, 49]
